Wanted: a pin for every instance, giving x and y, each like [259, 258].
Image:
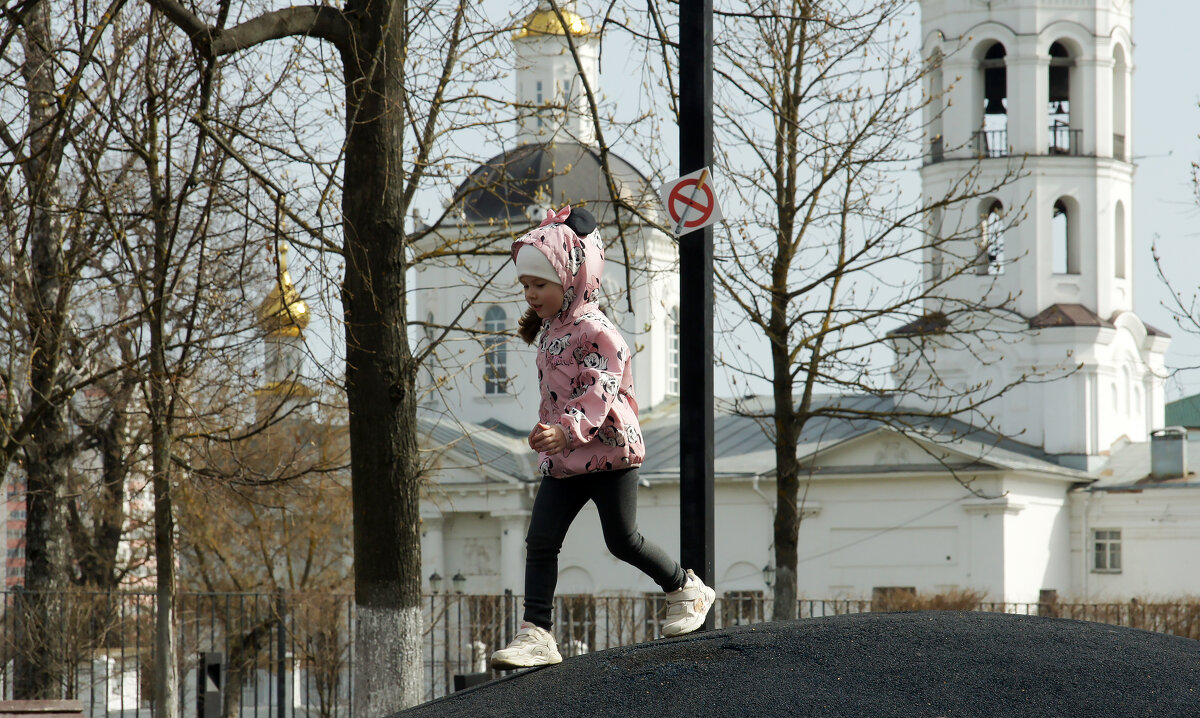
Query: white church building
[1093, 499]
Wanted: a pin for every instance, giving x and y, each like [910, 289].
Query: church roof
[1183, 412]
[1128, 469]
[1068, 315]
[514, 187]
[743, 445]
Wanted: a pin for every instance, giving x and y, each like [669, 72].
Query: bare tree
[48, 241]
[831, 261]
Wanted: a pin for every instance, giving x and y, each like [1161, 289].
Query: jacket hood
[579, 262]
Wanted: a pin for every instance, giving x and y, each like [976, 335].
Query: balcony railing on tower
[937, 149]
[991, 143]
[1065, 141]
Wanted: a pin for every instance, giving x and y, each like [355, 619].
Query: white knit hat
[532, 263]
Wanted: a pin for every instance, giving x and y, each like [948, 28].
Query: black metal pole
[696, 299]
[281, 658]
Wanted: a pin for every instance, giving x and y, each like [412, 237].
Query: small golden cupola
[544, 21]
[284, 316]
[283, 312]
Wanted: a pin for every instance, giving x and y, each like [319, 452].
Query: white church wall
[472, 546]
[1159, 542]
[1036, 539]
[905, 530]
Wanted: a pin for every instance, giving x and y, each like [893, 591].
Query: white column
[1026, 106]
[958, 121]
[513, 526]
[1101, 72]
[1091, 120]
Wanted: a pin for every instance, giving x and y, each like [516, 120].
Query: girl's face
[545, 297]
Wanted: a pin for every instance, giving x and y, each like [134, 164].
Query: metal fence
[276, 655]
[291, 655]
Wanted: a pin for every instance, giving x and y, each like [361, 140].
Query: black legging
[557, 504]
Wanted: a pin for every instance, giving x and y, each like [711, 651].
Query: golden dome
[283, 311]
[543, 21]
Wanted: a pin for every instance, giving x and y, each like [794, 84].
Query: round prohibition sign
[685, 196]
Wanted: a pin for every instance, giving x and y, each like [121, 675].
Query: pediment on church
[886, 450]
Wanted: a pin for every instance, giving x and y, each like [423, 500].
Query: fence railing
[990, 143]
[1065, 141]
[291, 655]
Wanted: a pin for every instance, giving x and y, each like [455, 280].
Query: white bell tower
[550, 88]
[1040, 89]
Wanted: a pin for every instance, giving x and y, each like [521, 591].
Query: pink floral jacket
[584, 368]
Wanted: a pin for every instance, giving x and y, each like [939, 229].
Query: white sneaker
[688, 607]
[532, 646]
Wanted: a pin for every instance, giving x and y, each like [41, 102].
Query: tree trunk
[166, 680]
[380, 372]
[787, 486]
[38, 672]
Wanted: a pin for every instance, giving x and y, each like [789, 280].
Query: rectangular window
[1106, 550]
[495, 352]
[495, 373]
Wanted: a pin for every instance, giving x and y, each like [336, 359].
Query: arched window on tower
[673, 352]
[1062, 238]
[1120, 252]
[1063, 139]
[992, 139]
[1119, 73]
[991, 239]
[1127, 389]
[495, 352]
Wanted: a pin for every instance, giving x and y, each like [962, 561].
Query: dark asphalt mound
[910, 665]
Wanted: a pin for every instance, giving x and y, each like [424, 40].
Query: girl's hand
[550, 439]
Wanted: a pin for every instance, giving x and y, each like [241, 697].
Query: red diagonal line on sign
[692, 203]
[677, 195]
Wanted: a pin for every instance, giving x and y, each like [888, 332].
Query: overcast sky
[1166, 122]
